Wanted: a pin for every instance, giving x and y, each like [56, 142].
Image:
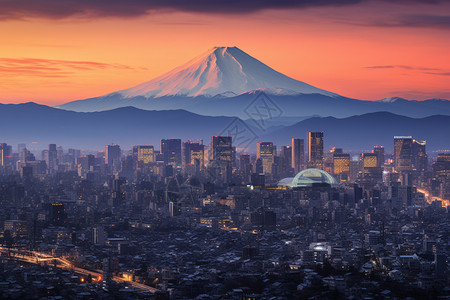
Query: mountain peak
[219, 71]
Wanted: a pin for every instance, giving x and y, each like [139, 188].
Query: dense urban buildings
[200, 221]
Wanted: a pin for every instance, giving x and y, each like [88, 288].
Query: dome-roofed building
[308, 178]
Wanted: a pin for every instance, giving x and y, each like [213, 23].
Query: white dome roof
[308, 177]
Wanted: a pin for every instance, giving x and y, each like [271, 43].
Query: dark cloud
[402, 67]
[414, 21]
[50, 67]
[439, 73]
[429, 71]
[59, 9]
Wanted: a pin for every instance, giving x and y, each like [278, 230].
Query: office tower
[441, 166]
[379, 151]
[112, 156]
[341, 166]
[369, 160]
[298, 155]
[245, 166]
[328, 163]
[286, 161]
[171, 151]
[193, 154]
[441, 170]
[266, 151]
[403, 153]
[315, 150]
[419, 156]
[221, 155]
[51, 158]
[222, 149]
[371, 173]
[145, 154]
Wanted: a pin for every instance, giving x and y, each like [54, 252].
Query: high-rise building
[403, 153]
[298, 154]
[266, 151]
[222, 149]
[369, 160]
[171, 151]
[315, 150]
[441, 169]
[145, 154]
[419, 156]
[286, 161]
[245, 166]
[221, 158]
[193, 154]
[112, 155]
[341, 166]
[379, 151]
[51, 158]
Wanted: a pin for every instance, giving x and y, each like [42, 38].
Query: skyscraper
[419, 156]
[222, 158]
[315, 150]
[245, 166]
[193, 153]
[266, 151]
[403, 153]
[379, 151]
[286, 161]
[298, 154]
[51, 158]
[145, 154]
[341, 166]
[171, 151]
[112, 156]
[369, 160]
[222, 149]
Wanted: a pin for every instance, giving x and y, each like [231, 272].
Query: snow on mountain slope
[220, 71]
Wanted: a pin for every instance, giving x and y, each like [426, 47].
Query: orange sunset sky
[359, 49]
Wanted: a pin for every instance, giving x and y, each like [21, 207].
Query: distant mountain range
[362, 132]
[225, 81]
[30, 122]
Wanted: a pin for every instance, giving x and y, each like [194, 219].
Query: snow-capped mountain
[225, 81]
[220, 71]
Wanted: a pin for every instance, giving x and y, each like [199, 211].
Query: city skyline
[292, 149]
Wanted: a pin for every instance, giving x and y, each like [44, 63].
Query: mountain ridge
[226, 81]
[126, 126]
